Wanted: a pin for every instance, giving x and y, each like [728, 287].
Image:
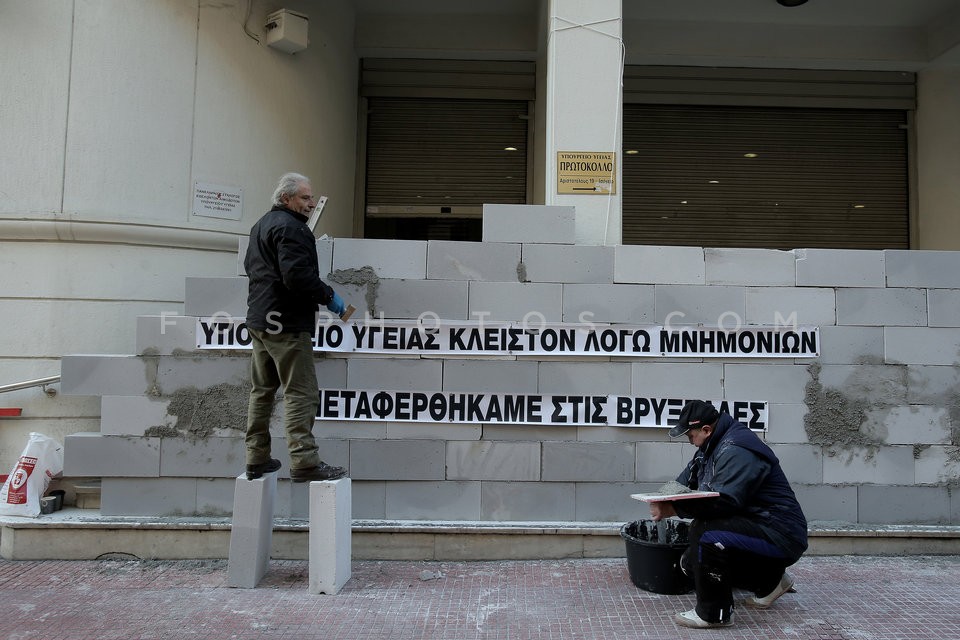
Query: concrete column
[330, 546]
[252, 530]
[584, 108]
[937, 225]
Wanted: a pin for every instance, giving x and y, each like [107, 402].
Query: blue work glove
[336, 305]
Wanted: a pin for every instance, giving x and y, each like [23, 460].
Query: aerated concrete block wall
[868, 432]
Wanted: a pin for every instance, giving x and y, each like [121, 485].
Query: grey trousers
[283, 360]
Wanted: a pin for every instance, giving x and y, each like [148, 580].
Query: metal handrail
[39, 382]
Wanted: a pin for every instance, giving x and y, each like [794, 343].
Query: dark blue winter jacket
[747, 474]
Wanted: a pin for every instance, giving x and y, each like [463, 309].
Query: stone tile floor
[838, 598]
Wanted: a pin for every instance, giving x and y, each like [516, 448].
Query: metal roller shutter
[429, 155]
[436, 137]
[831, 163]
[820, 177]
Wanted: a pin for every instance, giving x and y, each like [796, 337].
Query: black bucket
[654, 564]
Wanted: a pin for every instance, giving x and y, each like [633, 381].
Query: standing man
[746, 537]
[285, 292]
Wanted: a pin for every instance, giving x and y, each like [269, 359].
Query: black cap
[695, 413]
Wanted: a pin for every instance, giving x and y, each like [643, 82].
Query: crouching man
[746, 537]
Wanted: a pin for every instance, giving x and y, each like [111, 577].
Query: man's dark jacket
[746, 472]
[285, 287]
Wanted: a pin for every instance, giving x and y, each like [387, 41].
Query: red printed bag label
[17, 493]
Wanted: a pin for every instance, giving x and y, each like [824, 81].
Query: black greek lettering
[382, 404]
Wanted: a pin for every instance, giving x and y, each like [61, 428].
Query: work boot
[694, 621]
[785, 585]
[322, 471]
[255, 471]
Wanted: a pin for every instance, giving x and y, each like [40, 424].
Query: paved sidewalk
[838, 598]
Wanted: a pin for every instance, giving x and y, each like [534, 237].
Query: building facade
[121, 118]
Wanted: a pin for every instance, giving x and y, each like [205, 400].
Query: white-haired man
[285, 291]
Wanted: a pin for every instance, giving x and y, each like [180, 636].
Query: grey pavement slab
[837, 598]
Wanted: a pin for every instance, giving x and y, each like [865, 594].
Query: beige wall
[938, 158]
[111, 109]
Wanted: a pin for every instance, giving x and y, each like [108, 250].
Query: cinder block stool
[252, 532]
[330, 528]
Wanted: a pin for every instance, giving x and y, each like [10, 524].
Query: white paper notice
[217, 201]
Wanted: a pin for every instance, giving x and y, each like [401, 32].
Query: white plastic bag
[41, 460]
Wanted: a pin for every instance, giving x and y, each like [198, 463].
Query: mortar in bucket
[653, 555]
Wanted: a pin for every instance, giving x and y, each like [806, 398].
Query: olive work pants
[283, 360]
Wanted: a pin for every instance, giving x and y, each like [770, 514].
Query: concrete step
[83, 534]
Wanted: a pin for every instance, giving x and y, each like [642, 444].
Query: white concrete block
[325, 257]
[915, 424]
[411, 299]
[943, 307]
[369, 499]
[667, 379]
[588, 462]
[883, 385]
[215, 497]
[904, 505]
[209, 457]
[659, 265]
[488, 261]
[433, 500]
[919, 345]
[780, 383]
[491, 376]
[130, 496]
[517, 461]
[400, 259]
[711, 306]
[215, 296]
[397, 459]
[166, 334]
[807, 306]
[937, 465]
[839, 268]
[99, 375]
[429, 431]
[827, 503]
[802, 463]
[394, 374]
[882, 307]
[931, 384]
[659, 461]
[529, 223]
[611, 501]
[566, 264]
[330, 543]
[526, 501]
[929, 269]
[851, 345]
[243, 243]
[602, 303]
[132, 415]
[598, 378]
[786, 424]
[885, 466]
[516, 301]
[251, 533]
[752, 267]
[92, 454]
[203, 371]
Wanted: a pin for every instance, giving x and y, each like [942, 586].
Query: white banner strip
[520, 409]
[486, 339]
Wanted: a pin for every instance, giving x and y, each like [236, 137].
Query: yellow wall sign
[587, 172]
